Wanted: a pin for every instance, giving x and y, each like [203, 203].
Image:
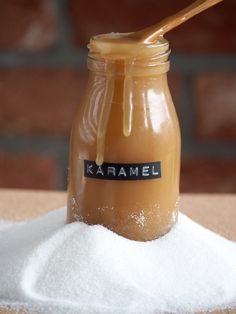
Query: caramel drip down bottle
[125, 143]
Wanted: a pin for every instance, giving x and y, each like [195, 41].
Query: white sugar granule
[50, 267]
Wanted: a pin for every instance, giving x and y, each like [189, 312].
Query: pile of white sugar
[47, 266]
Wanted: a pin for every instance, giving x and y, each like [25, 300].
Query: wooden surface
[216, 212]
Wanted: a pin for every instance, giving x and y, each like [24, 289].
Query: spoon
[151, 34]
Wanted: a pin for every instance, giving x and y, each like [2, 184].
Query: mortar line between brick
[64, 24]
[203, 62]
[213, 149]
[59, 146]
[68, 56]
[186, 114]
[34, 144]
[54, 58]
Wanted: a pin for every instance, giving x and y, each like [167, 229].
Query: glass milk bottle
[125, 142]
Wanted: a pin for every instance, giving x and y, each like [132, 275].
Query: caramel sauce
[127, 117]
[125, 141]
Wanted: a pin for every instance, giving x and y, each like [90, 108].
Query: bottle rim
[145, 59]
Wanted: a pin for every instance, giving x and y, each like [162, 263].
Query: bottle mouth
[116, 46]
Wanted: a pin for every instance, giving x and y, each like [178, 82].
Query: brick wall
[43, 74]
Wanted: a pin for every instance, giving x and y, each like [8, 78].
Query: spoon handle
[150, 34]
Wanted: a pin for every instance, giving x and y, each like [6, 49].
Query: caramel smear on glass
[127, 98]
[105, 112]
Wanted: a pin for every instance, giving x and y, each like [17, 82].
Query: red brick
[208, 175]
[28, 25]
[215, 110]
[39, 101]
[212, 31]
[28, 171]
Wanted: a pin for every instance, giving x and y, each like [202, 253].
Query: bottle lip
[113, 46]
[120, 38]
[145, 59]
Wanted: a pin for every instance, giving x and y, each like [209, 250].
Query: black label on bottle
[114, 171]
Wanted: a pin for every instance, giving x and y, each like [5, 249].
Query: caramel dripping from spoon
[148, 35]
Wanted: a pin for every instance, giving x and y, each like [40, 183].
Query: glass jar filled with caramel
[125, 142]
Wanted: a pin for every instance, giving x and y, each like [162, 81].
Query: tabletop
[216, 212]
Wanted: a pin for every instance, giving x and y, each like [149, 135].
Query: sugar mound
[50, 267]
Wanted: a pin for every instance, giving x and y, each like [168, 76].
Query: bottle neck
[130, 67]
[131, 58]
